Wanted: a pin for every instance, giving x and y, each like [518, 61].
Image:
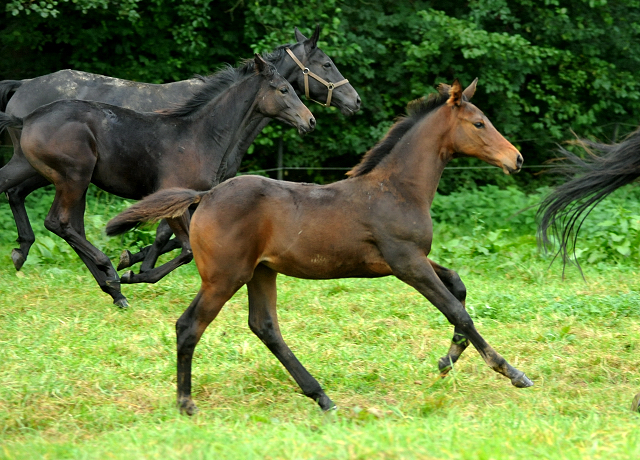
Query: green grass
[81, 379]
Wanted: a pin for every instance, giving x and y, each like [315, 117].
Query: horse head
[319, 77]
[472, 133]
[277, 99]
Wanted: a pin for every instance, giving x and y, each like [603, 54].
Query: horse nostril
[358, 102]
[312, 123]
[519, 161]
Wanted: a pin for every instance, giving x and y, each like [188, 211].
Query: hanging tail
[9, 121]
[562, 213]
[7, 88]
[172, 202]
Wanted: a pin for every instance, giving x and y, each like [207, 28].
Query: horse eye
[284, 90]
[326, 65]
[479, 125]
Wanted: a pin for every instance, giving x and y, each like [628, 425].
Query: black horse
[20, 98]
[131, 154]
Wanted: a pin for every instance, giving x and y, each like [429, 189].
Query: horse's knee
[264, 330]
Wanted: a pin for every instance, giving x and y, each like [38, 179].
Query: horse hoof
[127, 277]
[188, 407]
[635, 405]
[326, 404]
[17, 258]
[125, 260]
[122, 303]
[444, 365]
[521, 381]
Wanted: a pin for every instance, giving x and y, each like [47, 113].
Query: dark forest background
[546, 69]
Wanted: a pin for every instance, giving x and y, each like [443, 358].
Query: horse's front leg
[460, 342]
[149, 254]
[180, 227]
[412, 266]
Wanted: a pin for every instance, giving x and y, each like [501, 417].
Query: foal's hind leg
[263, 321]
[459, 343]
[66, 219]
[26, 237]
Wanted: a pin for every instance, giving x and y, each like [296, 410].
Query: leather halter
[307, 73]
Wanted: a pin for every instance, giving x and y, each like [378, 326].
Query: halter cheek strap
[307, 73]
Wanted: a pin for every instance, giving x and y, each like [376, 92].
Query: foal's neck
[418, 159]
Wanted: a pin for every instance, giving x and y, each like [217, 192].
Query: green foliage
[545, 68]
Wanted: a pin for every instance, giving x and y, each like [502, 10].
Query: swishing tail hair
[563, 212]
[9, 121]
[171, 202]
[7, 88]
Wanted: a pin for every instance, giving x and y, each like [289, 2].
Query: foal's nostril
[519, 161]
[312, 123]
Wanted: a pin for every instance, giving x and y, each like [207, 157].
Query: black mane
[416, 111]
[223, 79]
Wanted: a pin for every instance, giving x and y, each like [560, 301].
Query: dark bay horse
[132, 154]
[374, 223]
[606, 168]
[19, 98]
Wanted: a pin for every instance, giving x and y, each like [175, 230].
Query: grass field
[81, 379]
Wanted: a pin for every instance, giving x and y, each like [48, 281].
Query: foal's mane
[217, 83]
[416, 111]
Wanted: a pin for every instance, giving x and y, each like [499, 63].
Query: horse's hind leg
[459, 343]
[190, 327]
[263, 321]
[66, 219]
[26, 237]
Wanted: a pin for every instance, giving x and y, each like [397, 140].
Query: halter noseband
[307, 73]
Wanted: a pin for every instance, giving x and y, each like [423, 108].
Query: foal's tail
[9, 121]
[7, 88]
[171, 202]
[565, 209]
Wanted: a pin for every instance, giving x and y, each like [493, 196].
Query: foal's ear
[309, 43]
[455, 94]
[471, 89]
[260, 63]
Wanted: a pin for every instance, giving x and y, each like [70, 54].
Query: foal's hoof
[521, 381]
[187, 407]
[444, 365]
[126, 277]
[635, 404]
[17, 258]
[326, 404]
[125, 260]
[121, 303]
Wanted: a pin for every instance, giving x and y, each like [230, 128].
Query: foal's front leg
[412, 266]
[460, 342]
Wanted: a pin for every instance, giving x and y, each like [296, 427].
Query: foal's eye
[284, 90]
[479, 124]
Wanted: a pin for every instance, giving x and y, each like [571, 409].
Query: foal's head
[472, 134]
[277, 99]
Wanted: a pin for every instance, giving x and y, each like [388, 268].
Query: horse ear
[455, 94]
[311, 43]
[299, 37]
[471, 89]
[444, 89]
[260, 63]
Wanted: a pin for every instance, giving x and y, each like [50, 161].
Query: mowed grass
[82, 379]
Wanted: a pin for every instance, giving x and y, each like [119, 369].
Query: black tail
[7, 88]
[9, 121]
[563, 212]
[172, 202]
